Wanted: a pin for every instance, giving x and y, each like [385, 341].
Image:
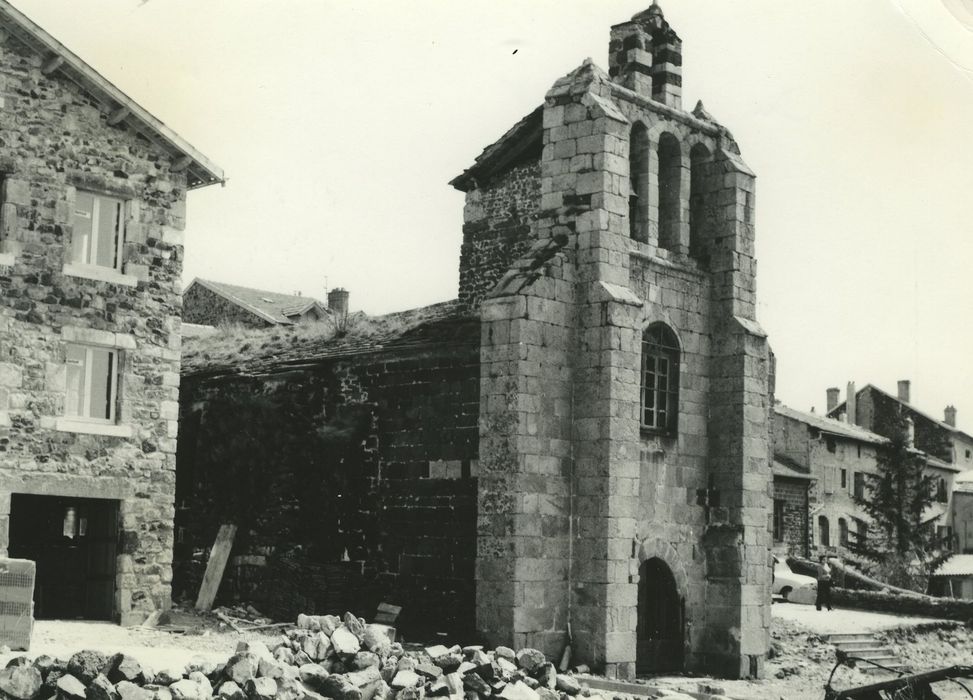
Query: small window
[844, 478]
[825, 529]
[832, 446]
[92, 383]
[660, 379]
[969, 454]
[862, 532]
[941, 493]
[778, 520]
[98, 230]
[859, 488]
[842, 532]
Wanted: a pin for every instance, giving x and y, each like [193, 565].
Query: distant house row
[822, 463]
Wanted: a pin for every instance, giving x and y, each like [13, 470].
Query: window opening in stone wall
[825, 529]
[859, 487]
[670, 196]
[698, 159]
[942, 495]
[92, 382]
[830, 443]
[660, 379]
[638, 198]
[842, 532]
[844, 478]
[778, 520]
[98, 231]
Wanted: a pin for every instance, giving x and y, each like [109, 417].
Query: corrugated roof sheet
[270, 306]
[956, 565]
[830, 425]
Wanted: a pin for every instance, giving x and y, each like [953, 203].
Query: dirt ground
[797, 670]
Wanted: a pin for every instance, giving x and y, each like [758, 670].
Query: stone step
[852, 647]
[848, 637]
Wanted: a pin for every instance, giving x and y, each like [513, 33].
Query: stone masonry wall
[54, 142]
[793, 493]
[497, 229]
[206, 307]
[371, 460]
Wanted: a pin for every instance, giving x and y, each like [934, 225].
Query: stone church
[601, 385]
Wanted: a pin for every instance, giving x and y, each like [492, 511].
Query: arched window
[670, 196]
[660, 379]
[825, 529]
[638, 198]
[842, 532]
[698, 159]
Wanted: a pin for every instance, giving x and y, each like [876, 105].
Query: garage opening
[74, 543]
[661, 615]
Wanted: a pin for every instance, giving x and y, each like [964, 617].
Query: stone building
[947, 449]
[620, 448]
[216, 303]
[91, 245]
[818, 514]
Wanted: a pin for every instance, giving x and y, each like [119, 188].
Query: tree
[904, 546]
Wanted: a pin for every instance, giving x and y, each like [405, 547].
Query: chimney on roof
[904, 390]
[950, 416]
[834, 394]
[645, 55]
[338, 302]
[851, 405]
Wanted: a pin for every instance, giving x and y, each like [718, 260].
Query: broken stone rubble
[315, 661]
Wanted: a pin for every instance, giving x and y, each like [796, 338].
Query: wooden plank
[218, 556]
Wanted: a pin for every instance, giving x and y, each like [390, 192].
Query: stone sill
[102, 274]
[6, 259]
[79, 425]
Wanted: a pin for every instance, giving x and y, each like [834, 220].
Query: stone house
[602, 391]
[818, 513]
[948, 449]
[211, 303]
[91, 245]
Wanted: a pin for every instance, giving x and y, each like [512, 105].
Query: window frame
[663, 348]
[92, 245]
[84, 396]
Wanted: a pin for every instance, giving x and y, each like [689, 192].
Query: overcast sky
[339, 123]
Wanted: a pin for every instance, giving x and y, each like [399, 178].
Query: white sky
[339, 124]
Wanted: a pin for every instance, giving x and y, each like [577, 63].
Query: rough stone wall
[794, 536]
[371, 460]
[699, 501]
[206, 307]
[497, 229]
[54, 142]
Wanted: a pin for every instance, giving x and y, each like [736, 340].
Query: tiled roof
[261, 351]
[270, 306]
[956, 565]
[831, 426]
[523, 140]
[200, 171]
[938, 421]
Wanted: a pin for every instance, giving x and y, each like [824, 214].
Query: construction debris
[322, 657]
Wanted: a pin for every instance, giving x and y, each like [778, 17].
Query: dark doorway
[661, 615]
[74, 542]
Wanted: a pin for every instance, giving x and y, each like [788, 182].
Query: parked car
[786, 582]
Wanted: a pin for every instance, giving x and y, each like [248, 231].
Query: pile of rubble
[324, 657]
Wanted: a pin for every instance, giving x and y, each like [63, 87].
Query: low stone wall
[897, 604]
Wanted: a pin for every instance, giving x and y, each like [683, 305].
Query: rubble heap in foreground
[324, 657]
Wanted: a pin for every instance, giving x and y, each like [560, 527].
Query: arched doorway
[661, 620]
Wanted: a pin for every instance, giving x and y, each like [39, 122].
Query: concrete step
[848, 637]
[852, 647]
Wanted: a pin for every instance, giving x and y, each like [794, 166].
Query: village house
[91, 246]
[578, 445]
[821, 465]
[948, 450]
[211, 303]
